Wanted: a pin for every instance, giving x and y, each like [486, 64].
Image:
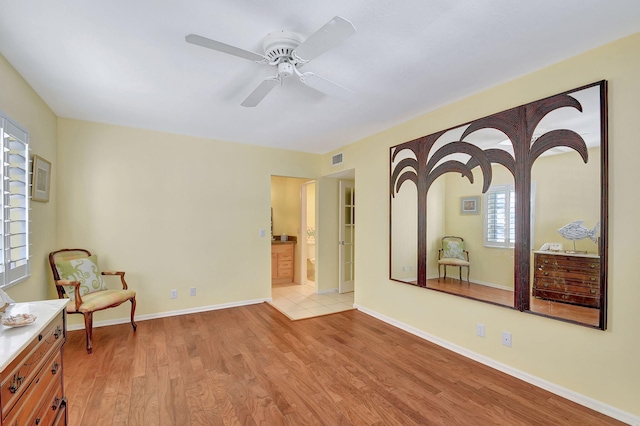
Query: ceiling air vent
[336, 159]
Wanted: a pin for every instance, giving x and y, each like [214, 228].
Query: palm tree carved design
[518, 125]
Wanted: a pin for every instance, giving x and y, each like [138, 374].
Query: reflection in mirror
[565, 279]
[470, 182]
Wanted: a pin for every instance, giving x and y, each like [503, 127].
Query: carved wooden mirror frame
[423, 160]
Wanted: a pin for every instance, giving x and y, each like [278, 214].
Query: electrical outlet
[262, 233]
[174, 294]
[480, 330]
[506, 338]
[192, 291]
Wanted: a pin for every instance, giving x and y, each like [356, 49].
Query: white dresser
[31, 369]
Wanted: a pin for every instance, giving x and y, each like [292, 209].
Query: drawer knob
[546, 261]
[38, 421]
[16, 382]
[546, 273]
[56, 403]
[546, 284]
[593, 291]
[58, 332]
[593, 278]
[592, 265]
[55, 368]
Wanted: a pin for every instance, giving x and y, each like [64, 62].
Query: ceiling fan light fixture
[285, 69]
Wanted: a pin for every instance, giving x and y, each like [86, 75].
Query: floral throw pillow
[84, 270]
[454, 250]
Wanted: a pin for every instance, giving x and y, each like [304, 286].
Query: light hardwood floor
[252, 365]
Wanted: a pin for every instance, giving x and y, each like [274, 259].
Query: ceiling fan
[288, 52]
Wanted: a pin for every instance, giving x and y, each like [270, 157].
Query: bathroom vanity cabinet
[282, 265]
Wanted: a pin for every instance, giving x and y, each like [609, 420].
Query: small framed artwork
[41, 179]
[470, 205]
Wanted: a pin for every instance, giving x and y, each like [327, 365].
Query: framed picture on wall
[470, 205]
[41, 179]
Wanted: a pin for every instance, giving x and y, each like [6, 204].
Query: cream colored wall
[285, 200]
[22, 104]
[172, 211]
[598, 364]
[564, 194]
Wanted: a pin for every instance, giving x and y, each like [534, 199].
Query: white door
[346, 235]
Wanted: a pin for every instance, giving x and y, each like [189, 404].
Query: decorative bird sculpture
[577, 231]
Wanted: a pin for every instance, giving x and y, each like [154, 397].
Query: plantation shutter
[499, 217]
[14, 265]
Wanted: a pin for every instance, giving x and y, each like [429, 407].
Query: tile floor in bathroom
[298, 301]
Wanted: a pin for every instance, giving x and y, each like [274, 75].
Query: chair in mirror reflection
[452, 253]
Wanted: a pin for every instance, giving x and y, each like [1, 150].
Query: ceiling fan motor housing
[280, 44]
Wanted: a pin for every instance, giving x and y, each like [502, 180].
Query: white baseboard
[578, 398]
[170, 313]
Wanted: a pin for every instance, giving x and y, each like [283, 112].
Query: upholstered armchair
[78, 278]
[452, 253]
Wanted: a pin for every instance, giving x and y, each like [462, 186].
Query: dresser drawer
[20, 374]
[577, 287]
[53, 409]
[574, 299]
[568, 264]
[35, 402]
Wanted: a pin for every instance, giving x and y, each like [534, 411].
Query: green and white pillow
[84, 270]
[454, 250]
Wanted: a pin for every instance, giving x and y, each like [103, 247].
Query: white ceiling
[126, 62]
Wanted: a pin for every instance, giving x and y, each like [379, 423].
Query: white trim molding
[127, 320]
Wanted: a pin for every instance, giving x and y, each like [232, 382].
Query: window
[500, 216]
[14, 244]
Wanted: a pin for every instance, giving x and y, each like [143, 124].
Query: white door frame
[303, 234]
[346, 225]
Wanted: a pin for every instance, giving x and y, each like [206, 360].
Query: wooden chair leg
[460, 272]
[88, 327]
[133, 311]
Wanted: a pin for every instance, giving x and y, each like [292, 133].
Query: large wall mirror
[525, 192]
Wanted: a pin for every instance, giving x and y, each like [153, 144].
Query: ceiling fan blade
[330, 35]
[261, 91]
[223, 47]
[325, 86]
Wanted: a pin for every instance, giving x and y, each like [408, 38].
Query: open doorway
[314, 289]
[288, 233]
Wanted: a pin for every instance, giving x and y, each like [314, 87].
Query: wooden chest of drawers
[569, 278]
[282, 256]
[31, 384]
